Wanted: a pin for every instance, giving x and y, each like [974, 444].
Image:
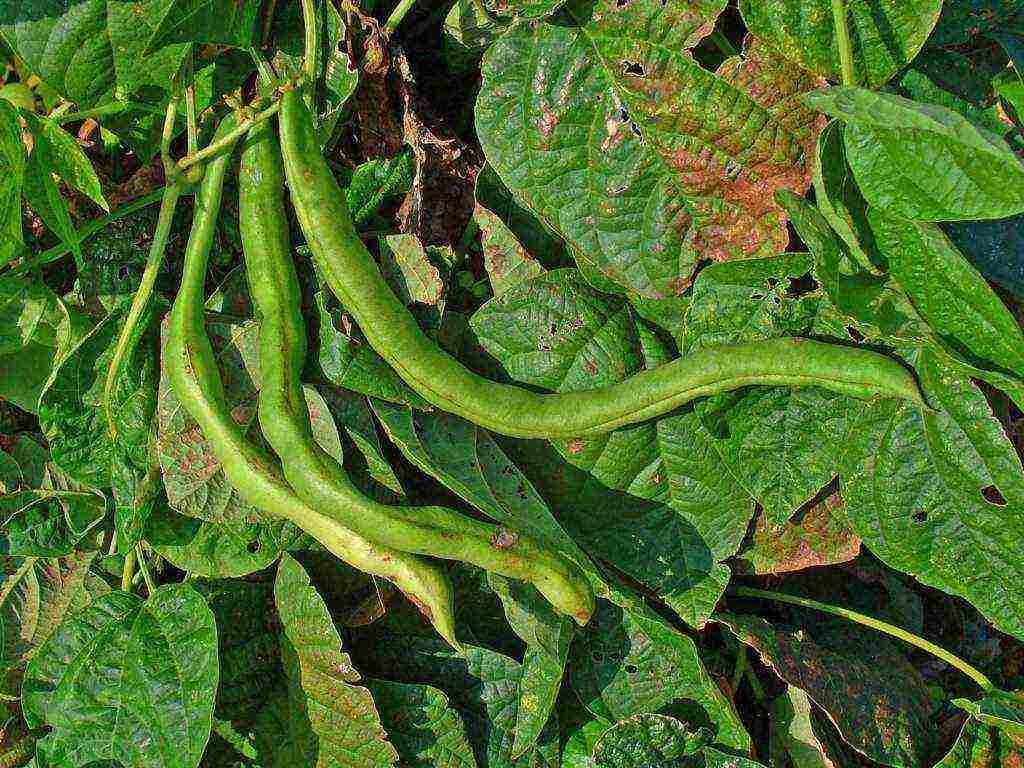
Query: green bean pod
[318, 479]
[352, 275]
[194, 378]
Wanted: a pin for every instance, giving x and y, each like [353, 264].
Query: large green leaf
[423, 726]
[127, 680]
[940, 494]
[12, 166]
[924, 162]
[628, 663]
[330, 720]
[948, 292]
[886, 34]
[644, 162]
[71, 411]
[649, 740]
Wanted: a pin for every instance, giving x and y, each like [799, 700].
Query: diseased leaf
[818, 536]
[876, 698]
[606, 127]
[507, 262]
[47, 522]
[423, 726]
[35, 596]
[330, 720]
[992, 737]
[630, 663]
[963, 19]
[893, 144]
[886, 34]
[127, 680]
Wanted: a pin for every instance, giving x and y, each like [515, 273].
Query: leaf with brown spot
[817, 536]
[868, 688]
[643, 161]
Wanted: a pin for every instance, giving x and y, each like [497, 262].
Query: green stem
[139, 303]
[128, 571]
[755, 685]
[843, 40]
[882, 626]
[721, 42]
[309, 24]
[403, 7]
[90, 229]
[268, 21]
[190, 120]
[144, 570]
[228, 140]
[60, 109]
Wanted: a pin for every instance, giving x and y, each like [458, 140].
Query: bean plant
[507, 384]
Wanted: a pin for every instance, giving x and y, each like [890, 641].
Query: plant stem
[721, 42]
[843, 40]
[403, 7]
[144, 570]
[60, 109]
[268, 21]
[141, 300]
[755, 685]
[309, 24]
[128, 571]
[882, 626]
[228, 139]
[90, 229]
[190, 120]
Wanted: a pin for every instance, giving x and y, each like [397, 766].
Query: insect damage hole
[633, 68]
[993, 496]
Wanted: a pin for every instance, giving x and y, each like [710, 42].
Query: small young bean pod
[194, 377]
[391, 330]
[318, 479]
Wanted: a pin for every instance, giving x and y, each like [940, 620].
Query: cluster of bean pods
[306, 485]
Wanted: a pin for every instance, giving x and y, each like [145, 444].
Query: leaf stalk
[843, 40]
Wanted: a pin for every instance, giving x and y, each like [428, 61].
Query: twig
[228, 139]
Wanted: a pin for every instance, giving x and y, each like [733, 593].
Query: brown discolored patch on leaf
[503, 538]
[877, 700]
[816, 536]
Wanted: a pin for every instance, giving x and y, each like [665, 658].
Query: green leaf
[469, 461]
[423, 726]
[46, 522]
[128, 680]
[35, 596]
[218, 550]
[43, 194]
[28, 311]
[220, 22]
[649, 740]
[373, 182]
[913, 483]
[547, 636]
[71, 411]
[893, 145]
[992, 736]
[483, 685]
[996, 248]
[792, 734]
[643, 161]
[629, 663]
[412, 273]
[962, 20]
[949, 293]
[885, 34]
[507, 262]
[875, 697]
[67, 159]
[348, 361]
[331, 721]
[12, 175]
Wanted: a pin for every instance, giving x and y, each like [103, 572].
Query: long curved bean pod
[352, 275]
[257, 476]
[317, 477]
